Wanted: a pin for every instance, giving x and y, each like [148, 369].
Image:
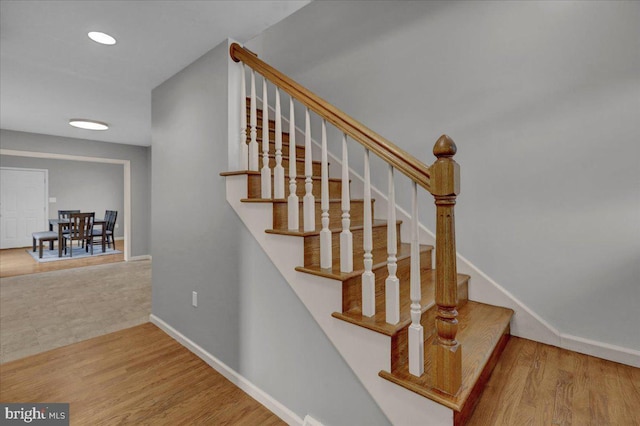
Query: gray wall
[79, 185]
[95, 196]
[248, 316]
[542, 99]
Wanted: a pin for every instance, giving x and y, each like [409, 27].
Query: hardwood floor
[136, 376]
[537, 384]
[17, 261]
[142, 376]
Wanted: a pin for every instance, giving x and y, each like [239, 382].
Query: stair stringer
[365, 351]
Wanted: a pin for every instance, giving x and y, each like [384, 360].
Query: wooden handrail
[407, 164]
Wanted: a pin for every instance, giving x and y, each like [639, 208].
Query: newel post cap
[445, 147]
[445, 172]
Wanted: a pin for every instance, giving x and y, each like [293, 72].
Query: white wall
[247, 316]
[542, 99]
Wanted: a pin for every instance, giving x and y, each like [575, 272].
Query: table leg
[104, 236]
[60, 241]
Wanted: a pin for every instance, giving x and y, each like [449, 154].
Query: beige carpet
[39, 312]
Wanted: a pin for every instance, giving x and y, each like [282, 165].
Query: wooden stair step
[260, 124]
[315, 167]
[483, 332]
[272, 135]
[378, 321]
[379, 263]
[312, 239]
[285, 148]
[254, 189]
[281, 212]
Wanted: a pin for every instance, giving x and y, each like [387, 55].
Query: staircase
[475, 342]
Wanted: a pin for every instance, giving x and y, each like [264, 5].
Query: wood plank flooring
[536, 384]
[17, 261]
[137, 376]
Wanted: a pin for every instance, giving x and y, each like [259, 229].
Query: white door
[23, 205]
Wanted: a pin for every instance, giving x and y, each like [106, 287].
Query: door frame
[126, 166]
[45, 222]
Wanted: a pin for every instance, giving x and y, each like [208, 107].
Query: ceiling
[50, 71]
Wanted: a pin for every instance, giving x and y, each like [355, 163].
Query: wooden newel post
[446, 351]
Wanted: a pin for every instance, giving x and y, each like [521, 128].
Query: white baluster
[392, 284]
[278, 171]
[266, 171]
[368, 277]
[325, 233]
[416, 332]
[292, 201]
[309, 201]
[244, 148]
[253, 121]
[346, 238]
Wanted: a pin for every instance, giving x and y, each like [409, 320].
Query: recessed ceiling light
[101, 38]
[82, 123]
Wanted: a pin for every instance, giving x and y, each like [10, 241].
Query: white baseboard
[310, 421]
[233, 376]
[600, 350]
[141, 257]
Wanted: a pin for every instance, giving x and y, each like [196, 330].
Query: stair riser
[272, 136]
[272, 122]
[315, 167]
[352, 288]
[399, 342]
[255, 188]
[280, 213]
[285, 150]
[312, 244]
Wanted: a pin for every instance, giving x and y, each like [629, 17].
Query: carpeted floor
[39, 312]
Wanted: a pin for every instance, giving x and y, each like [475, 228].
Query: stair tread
[480, 332]
[379, 261]
[378, 321]
[334, 227]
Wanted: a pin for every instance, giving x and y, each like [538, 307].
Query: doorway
[126, 168]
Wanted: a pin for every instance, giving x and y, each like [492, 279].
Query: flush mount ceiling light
[82, 123]
[101, 38]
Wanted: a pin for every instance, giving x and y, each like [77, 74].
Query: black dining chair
[81, 230]
[110, 217]
[64, 215]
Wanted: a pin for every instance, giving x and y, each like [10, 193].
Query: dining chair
[81, 230]
[65, 214]
[110, 217]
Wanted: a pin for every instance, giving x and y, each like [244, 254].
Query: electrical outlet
[194, 299]
[117, 225]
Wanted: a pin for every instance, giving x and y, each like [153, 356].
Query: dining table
[63, 224]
